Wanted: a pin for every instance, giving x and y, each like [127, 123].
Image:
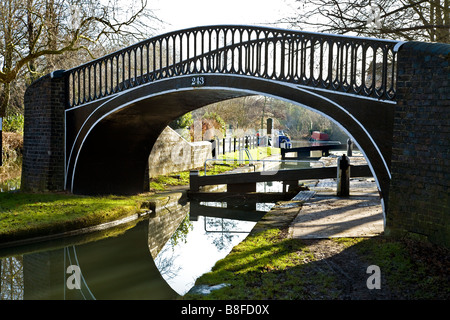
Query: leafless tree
[423, 20]
[37, 36]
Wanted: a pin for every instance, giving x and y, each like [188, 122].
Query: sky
[181, 14]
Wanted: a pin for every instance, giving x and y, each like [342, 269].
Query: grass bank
[255, 153]
[28, 215]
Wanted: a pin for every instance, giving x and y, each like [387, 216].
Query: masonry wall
[419, 190]
[172, 153]
[43, 149]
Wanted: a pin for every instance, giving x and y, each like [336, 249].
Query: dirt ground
[425, 278]
[349, 269]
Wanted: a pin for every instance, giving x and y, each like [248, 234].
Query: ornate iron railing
[353, 65]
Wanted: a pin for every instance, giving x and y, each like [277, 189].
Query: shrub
[13, 123]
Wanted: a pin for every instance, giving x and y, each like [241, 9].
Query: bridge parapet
[352, 65]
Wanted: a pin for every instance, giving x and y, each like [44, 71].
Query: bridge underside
[113, 159]
[108, 142]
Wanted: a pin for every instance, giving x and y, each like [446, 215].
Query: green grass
[266, 266]
[161, 183]
[13, 123]
[256, 153]
[26, 215]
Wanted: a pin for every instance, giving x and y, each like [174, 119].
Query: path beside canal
[321, 247]
[326, 215]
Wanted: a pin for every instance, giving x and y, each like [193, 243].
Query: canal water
[157, 257]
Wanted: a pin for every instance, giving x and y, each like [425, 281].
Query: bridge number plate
[197, 81]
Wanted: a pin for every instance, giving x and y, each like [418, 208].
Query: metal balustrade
[352, 65]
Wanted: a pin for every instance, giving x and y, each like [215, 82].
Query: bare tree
[34, 34]
[423, 20]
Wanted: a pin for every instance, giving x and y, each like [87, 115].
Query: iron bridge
[118, 105]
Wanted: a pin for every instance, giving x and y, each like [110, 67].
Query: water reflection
[118, 267]
[158, 258]
[210, 240]
[11, 278]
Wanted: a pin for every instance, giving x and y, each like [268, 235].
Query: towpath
[327, 216]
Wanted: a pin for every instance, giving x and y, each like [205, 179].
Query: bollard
[349, 147]
[215, 149]
[343, 176]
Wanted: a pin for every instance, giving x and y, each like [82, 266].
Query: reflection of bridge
[245, 212]
[117, 267]
[103, 117]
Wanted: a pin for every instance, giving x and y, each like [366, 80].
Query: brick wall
[43, 150]
[419, 190]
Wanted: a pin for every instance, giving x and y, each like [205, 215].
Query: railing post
[193, 181]
[343, 176]
[214, 148]
[349, 147]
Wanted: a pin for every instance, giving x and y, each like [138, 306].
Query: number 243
[197, 81]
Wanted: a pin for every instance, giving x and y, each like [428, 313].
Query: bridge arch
[111, 148]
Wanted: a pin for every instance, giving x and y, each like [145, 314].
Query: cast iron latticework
[353, 65]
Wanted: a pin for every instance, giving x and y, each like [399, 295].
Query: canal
[158, 257]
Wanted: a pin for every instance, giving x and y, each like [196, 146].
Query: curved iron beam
[359, 66]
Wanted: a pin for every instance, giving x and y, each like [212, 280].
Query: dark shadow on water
[117, 267]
